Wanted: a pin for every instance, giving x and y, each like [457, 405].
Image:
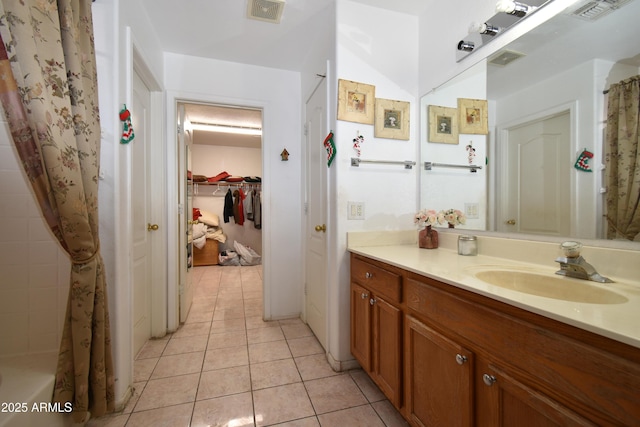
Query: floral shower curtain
[49, 93]
[622, 159]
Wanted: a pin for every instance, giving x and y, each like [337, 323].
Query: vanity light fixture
[514, 8]
[226, 129]
[485, 28]
[466, 46]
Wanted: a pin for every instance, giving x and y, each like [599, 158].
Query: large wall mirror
[546, 107]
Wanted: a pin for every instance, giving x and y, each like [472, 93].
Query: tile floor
[227, 367]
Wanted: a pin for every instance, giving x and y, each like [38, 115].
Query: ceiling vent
[590, 10]
[504, 57]
[265, 10]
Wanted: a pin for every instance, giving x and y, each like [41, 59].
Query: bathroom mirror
[550, 81]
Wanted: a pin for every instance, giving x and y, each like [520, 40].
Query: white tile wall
[34, 270]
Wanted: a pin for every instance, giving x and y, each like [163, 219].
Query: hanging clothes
[228, 206]
[238, 208]
[257, 209]
[248, 206]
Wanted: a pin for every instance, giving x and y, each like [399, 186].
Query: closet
[225, 179]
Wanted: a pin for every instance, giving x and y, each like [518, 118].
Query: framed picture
[473, 116]
[443, 124]
[392, 119]
[356, 102]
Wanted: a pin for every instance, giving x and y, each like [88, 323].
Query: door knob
[322, 228]
[511, 222]
[152, 227]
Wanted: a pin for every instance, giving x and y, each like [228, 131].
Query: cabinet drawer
[378, 280]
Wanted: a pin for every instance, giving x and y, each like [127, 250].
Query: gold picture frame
[392, 119]
[473, 116]
[356, 102]
[443, 124]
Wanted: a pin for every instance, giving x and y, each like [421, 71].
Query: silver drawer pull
[368, 275]
[489, 379]
[460, 359]
[364, 296]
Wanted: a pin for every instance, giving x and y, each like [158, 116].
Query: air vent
[265, 10]
[591, 10]
[504, 57]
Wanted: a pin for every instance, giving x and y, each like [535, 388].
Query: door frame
[173, 180]
[498, 176]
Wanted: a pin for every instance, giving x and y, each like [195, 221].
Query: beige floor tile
[389, 415]
[304, 422]
[314, 366]
[228, 325]
[235, 410]
[305, 346]
[225, 358]
[152, 348]
[296, 331]
[111, 420]
[362, 416]
[228, 313]
[223, 382]
[259, 335]
[171, 416]
[168, 391]
[143, 368]
[367, 386]
[274, 373]
[291, 321]
[193, 329]
[227, 339]
[178, 364]
[268, 351]
[203, 304]
[135, 396]
[198, 316]
[334, 393]
[254, 322]
[179, 345]
[280, 404]
[254, 311]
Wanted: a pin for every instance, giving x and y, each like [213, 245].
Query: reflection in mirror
[547, 122]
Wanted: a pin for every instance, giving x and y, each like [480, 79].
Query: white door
[316, 248]
[185, 290]
[538, 178]
[143, 229]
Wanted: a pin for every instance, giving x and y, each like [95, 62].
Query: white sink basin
[548, 286]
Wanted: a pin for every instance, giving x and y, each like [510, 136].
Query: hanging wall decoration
[471, 152]
[582, 163]
[356, 102]
[392, 119]
[330, 146]
[127, 129]
[443, 124]
[284, 155]
[473, 116]
[356, 144]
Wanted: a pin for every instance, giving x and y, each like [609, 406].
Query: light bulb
[485, 28]
[514, 8]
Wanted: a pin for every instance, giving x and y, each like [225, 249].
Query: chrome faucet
[573, 265]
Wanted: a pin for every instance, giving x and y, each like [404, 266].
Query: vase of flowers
[427, 236]
[453, 217]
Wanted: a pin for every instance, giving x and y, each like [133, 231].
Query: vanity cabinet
[465, 359]
[376, 326]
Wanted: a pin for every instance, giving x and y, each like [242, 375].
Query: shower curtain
[622, 160]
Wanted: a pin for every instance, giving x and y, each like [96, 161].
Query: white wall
[210, 160]
[377, 47]
[34, 270]
[277, 92]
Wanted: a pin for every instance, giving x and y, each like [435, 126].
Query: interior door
[316, 248]
[143, 228]
[185, 289]
[538, 178]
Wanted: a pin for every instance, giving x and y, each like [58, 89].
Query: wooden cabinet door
[361, 326]
[387, 349]
[503, 401]
[438, 375]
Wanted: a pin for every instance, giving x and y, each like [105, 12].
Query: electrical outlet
[471, 210]
[355, 210]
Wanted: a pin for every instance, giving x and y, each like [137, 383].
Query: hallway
[227, 367]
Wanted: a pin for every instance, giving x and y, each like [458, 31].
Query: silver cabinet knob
[372, 301]
[368, 275]
[364, 296]
[489, 379]
[460, 359]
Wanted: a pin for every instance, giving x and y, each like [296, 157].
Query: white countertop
[620, 322]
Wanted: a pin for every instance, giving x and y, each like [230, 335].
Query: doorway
[225, 166]
[536, 180]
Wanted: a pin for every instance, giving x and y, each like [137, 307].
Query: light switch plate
[355, 210]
